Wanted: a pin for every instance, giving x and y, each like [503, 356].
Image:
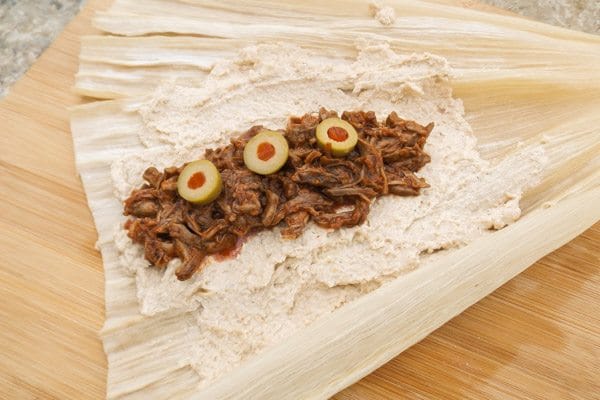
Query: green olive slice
[337, 136]
[199, 182]
[266, 152]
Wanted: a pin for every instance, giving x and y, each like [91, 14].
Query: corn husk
[521, 82]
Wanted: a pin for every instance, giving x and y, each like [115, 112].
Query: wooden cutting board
[536, 337]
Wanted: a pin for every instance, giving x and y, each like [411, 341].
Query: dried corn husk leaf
[521, 82]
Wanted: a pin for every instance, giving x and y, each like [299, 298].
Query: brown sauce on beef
[313, 185]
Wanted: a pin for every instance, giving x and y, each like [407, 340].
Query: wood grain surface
[536, 337]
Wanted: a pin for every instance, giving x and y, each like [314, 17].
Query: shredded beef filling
[313, 185]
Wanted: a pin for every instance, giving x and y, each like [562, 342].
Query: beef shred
[312, 185]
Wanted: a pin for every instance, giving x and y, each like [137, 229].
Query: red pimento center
[265, 151]
[336, 133]
[197, 180]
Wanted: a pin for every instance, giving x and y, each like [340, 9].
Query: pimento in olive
[199, 182]
[337, 136]
[266, 152]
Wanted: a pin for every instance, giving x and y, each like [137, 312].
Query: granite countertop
[27, 27]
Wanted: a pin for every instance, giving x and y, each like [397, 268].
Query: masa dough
[276, 287]
[385, 15]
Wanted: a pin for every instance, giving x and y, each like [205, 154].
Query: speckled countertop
[27, 27]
